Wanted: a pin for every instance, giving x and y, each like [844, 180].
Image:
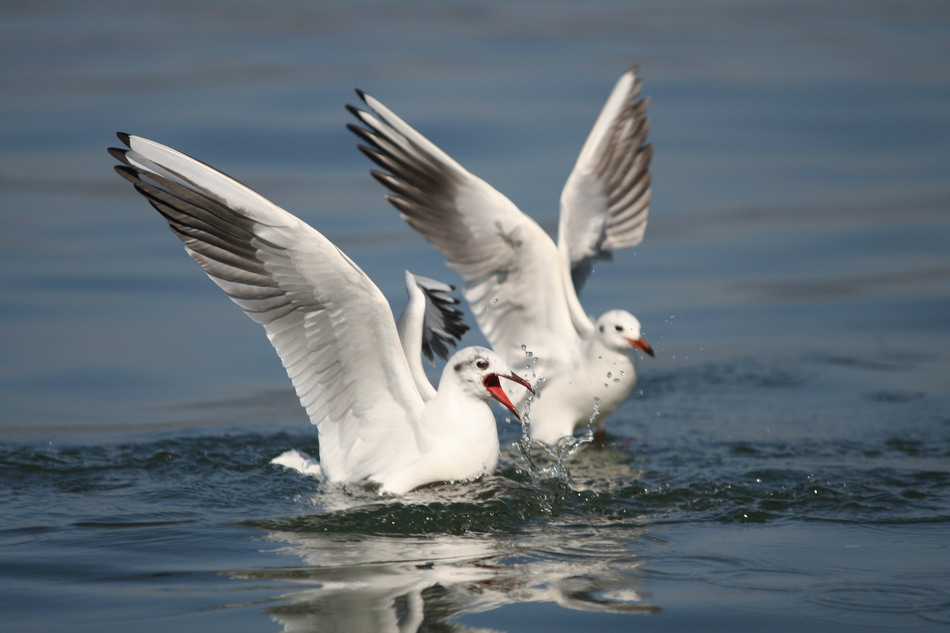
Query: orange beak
[493, 385]
[642, 345]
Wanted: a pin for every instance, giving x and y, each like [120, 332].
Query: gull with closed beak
[522, 287]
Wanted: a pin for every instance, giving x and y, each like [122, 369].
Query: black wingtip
[361, 94]
[380, 176]
[128, 173]
[356, 129]
[373, 155]
[117, 153]
[125, 138]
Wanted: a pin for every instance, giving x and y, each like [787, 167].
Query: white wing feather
[505, 258]
[331, 326]
[604, 204]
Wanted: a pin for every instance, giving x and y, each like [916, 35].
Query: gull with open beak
[356, 373]
[521, 286]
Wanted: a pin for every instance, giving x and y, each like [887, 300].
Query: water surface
[783, 464]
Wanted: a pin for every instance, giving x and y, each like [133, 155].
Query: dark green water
[783, 466]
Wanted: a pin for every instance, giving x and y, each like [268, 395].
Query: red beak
[642, 345]
[493, 385]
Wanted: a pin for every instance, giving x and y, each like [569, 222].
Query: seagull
[522, 287]
[358, 375]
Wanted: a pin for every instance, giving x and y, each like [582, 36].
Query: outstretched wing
[443, 325]
[509, 264]
[331, 326]
[604, 204]
[429, 322]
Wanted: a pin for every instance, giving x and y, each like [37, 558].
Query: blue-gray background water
[783, 465]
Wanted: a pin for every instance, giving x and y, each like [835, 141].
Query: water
[783, 464]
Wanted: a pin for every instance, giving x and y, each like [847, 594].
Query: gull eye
[481, 364]
[619, 328]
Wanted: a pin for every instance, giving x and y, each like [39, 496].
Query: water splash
[551, 462]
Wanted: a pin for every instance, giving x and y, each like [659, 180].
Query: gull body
[521, 286]
[361, 383]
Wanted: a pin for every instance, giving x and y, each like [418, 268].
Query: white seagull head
[479, 371]
[619, 330]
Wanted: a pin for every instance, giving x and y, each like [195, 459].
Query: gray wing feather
[605, 203]
[511, 268]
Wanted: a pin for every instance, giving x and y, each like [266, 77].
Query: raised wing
[604, 204]
[442, 325]
[429, 324]
[510, 265]
[331, 326]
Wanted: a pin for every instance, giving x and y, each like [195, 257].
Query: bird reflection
[393, 583]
